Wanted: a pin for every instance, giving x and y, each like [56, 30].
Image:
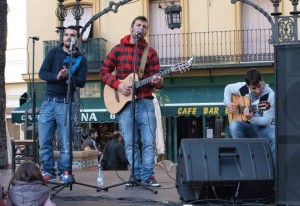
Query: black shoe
[151, 181]
[129, 184]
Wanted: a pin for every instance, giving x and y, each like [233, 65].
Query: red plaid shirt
[120, 58]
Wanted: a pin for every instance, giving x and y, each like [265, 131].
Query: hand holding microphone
[63, 74]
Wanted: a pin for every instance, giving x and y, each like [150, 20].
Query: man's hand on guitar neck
[158, 81]
[124, 89]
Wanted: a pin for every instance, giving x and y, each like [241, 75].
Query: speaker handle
[228, 152]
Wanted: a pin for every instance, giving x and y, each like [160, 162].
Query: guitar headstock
[264, 105]
[183, 67]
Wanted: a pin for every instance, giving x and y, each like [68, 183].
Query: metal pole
[77, 12]
[295, 13]
[33, 98]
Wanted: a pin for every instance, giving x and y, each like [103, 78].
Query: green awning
[91, 110]
[192, 101]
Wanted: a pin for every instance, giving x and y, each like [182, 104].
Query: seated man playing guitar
[251, 110]
[121, 60]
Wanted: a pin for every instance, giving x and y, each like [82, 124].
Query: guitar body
[113, 99]
[239, 101]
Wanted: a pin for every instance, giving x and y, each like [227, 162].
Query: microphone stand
[33, 112]
[70, 96]
[132, 179]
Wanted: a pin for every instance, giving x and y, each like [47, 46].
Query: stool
[22, 155]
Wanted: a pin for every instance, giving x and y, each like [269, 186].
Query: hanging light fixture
[173, 16]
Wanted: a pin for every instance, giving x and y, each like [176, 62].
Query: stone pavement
[120, 195]
[82, 195]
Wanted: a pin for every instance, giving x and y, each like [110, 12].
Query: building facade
[16, 63]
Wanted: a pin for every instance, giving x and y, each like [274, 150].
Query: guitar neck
[148, 79]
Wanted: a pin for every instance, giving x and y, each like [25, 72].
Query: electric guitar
[242, 102]
[115, 100]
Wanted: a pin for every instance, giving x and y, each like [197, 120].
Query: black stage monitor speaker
[221, 168]
[287, 70]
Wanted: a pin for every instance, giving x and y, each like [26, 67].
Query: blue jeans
[146, 122]
[239, 129]
[52, 117]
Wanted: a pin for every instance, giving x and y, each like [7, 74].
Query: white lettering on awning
[87, 117]
[112, 116]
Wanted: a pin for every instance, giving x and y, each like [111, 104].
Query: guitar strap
[244, 90]
[143, 62]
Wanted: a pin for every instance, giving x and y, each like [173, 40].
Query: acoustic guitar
[242, 102]
[115, 100]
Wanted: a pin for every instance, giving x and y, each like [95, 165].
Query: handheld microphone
[73, 40]
[36, 38]
[139, 31]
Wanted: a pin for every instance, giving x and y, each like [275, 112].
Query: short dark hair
[92, 131]
[253, 77]
[74, 28]
[142, 18]
[116, 134]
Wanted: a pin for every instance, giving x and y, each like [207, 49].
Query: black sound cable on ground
[134, 200]
[222, 202]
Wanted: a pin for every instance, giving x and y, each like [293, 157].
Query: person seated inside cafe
[114, 156]
[90, 142]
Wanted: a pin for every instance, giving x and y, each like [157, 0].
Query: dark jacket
[53, 63]
[27, 194]
[114, 156]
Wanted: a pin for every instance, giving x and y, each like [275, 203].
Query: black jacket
[114, 156]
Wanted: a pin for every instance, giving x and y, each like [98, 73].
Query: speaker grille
[224, 168]
[288, 124]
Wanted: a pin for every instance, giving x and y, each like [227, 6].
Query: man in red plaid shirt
[121, 59]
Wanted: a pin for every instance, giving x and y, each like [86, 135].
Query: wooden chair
[17, 156]
[31, 146]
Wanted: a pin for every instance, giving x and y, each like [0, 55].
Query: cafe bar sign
[193, 110]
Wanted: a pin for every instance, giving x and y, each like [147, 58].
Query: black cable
[160, 188]
[119, 176]
[222, 202]
[167, 171]
[121, 199]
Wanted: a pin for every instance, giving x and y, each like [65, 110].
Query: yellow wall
[203, 15]
[208, 15]
[114, 26]
[41, 22]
